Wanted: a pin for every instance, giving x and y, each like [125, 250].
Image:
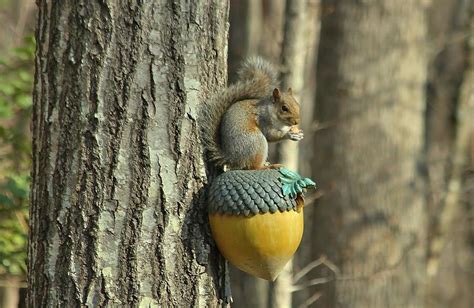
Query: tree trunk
[302, 295]
[448, 36]
[117, 214]
[10, 292]
[245, 31]
[255, 29]
[246, 21]
[448, 125]
[293, 62]
[370, 221]
[271, 41]
[450, 284]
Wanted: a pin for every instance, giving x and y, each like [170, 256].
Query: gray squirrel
[238, 122]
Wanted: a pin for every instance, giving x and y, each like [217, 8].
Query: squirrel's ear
[276, 94]
[290, 91]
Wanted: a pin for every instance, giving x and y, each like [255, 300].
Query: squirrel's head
[286, 107]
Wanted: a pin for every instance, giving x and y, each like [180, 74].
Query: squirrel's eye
[284, 108]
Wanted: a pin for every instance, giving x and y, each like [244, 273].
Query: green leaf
[6, 201]
[293, 184]
[16, 82]
[7, 88]
[25, 76]
[308, 182]
[24, 101]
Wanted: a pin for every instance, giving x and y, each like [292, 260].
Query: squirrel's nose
[296, 122]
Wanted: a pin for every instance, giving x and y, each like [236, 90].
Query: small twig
[333, 267]
[310, 283]
[312, 299]
[323, 260]
[22, 221]
[12, 284]
[305, 270]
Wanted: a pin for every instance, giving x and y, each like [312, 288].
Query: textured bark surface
[116, 211]
[370, 221]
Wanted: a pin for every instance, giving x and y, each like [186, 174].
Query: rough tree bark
[116, 211]
[370, 221]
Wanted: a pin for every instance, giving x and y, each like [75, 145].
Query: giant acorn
[256, 218]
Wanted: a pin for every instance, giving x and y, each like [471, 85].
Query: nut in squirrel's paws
[295, 133]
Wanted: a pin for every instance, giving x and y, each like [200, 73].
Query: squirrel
[239, 121]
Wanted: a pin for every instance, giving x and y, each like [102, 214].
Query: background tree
[255, 29]
[284, 32]
[371, 221]
[448, 126]
[300, 22]
[116, 212]
[111, 68]
[16, 81]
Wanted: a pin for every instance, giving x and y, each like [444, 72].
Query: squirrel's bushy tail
[260, 69]
[257, 79]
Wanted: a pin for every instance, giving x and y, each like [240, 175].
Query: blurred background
[17, 20]
[387, 93]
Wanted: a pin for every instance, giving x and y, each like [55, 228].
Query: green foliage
[14, 225]
[16, 80]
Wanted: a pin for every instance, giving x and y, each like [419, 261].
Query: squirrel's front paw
[295, 134]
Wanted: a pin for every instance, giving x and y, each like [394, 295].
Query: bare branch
[305, 270]
[312, 299]
[310, 283]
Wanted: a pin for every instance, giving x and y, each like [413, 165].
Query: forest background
[387, 92]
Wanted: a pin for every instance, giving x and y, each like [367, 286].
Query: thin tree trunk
[307, 96]
[450, 264]
[10, 293]
[293, 60]
[246, 23]
[271, 41]
[255, 29]
[245, 32]
[448, 36]
[370, 221]
[116, 214]
[448, 125]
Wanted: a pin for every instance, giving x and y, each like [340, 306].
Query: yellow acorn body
[260, 245]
